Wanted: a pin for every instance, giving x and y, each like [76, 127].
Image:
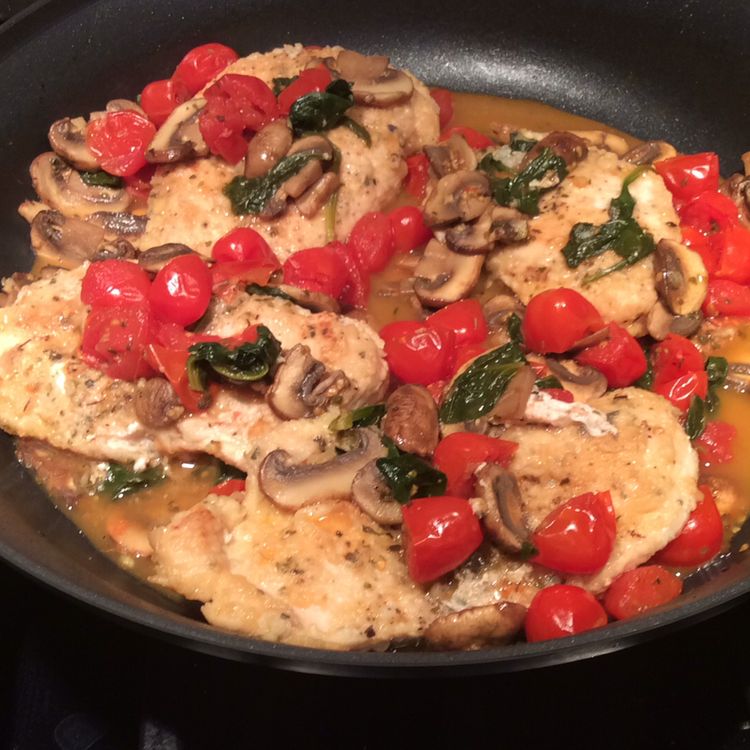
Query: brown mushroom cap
[503, 513]
[660, 322]
[374, 83]
[179, 137]
[64, 241]
[124, 105]
[498, 225]
[649, 152]
[459, 196]
[117, 249]
[473, 628]
[317, 195]
[267, 147]
[155, 258]
[570, 147]
[442, 276]
[119, 222]
[681, 278]
[411, 420]
[452, 156]
[68, 140]
[585, 383]
[371, 492]
[498, 309]
[156, 403]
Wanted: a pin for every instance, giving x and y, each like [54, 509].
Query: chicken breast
[538, 264]
[187, 203]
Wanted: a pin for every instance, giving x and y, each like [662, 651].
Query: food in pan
[358, 364]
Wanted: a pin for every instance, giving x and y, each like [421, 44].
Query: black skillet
[655, 68]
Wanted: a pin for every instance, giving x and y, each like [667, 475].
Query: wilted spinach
[362, 417]
[408, 476]
[268, 291]
[695, 422]
[100, 178]
[120, 481]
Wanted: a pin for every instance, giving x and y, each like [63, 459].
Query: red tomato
[225, 276]
[417, 176]
[561, 394]
[641, 589]
[320, 269]
[244, 244]
[459, 454]
[417, 354]
[159, 99]
[709, 212]
[562, 610]
[733, 247]
[680, 392]
[700, 538]
[689, 175]
[229, 487]
[437, 390]
[357, 289]
[464, 318]
[714, 446]
[109, 283]
[181, 291]
[409, 229]
[371, 241]
[444, 99]
[473, 137]
[620, 358]
[698, 242]
[726, 297]
[115, 338]
[673, 357]
[466, 353]
[202, 64]
[172, 363]
[577, 536]
[139, 184]
[313, 79]
[441, 533]
[119, 141]
[556, 319]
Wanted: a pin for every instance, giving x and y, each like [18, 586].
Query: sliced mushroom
[498, 309]
[570, 147]
[459, 196]
[63, 241]
[498, 225]
[267, 148]
[304, 387]
[649, 152]
[374, 83]
[660, 322]
[315, 144]
[117, 249]
[155, 258]
[442, 276]
[680, 276]
[502, 511]
[737, 187]
[124, 105]
[119, 222]
[305, 178]
[62, 188]
[601, 139]
[314, 301]
[452, 156]
[371, 492]
[68, 140]
[156, 403]
[471, 629]
[512, 404]
[585, 383]
[29, 209]
[411, 420]
[316, 196]
[293, 485]
[354, 66]
[179, 137]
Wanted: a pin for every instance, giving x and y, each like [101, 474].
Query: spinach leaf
[549, 382]
[268, 291]
[521, 144]
[515, 332]
[489, 164]
[120, 481]
[716, 369]
[408, 476]
[362, 417]
[477, 389]
[695, 421]
[280, 83]
[647, 379]
[358, 129]
[321, 110]
[243, 364]
[100, 178]
[227, 471]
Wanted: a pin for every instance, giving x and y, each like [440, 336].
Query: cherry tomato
[229, 487]
[465, 319]
[139, 184]
[474, 138]
[561, 610]
[680, 392]
[459, 454]
[409, 229]
[641, 589]
[181, 291]
[709, 212]
[371, 241]
[244, 244]
[700, 538]
[417, 176]
[444, 99]
[357, 289]
[467, 352]
[320, 269]
[699, 243]
[561, 394]
[556, 319]
[714, 446]
[159, 98]
[689, 175]
[441, 533]
[119, 141]
[673, 357]
[620, 358]
[202, 64]
[733, 247]
[172, 363]
[437, 390]
[109, 283]
[416, 353]
[726, 297]
[229, 275]
[313, 79]
[115, 339]
[577, 536]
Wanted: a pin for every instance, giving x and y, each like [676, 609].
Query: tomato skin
[640, 590]
[119, 141]
[441, 533]
[689, 175]
[474, 138]
[226, 276]
[709, 212]
[726, 297]
[577, 536]
[700, 538]
[202, 64]
[733, 247]
[229, 487]
[139, 184]
[459, 454]
[172, 363]
[356, 291]
[320, 269]
[465, 353]
[714, 446]
[561, 610]
[310, 80]
[159, 98]
[464, 318]
[371, 241]
[181, 290]
[673, 357]
[444, 99]
[704, 246]
[416, 353]
[680, 392]
[417, 176]
[109, 283]
[620, 358]
[244, 244]
[555, 319]
[409, 229]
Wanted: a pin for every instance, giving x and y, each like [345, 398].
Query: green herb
[549, 382]
[227, 471]
[362, 417]
[280, 83]
[716, 369]
[477, 389]
[330, 216]
[268, 291]
[695, 422]
[647, 379]
[515, 331]
[408, 476]
[250, 195]
[246, 363]
[528, 550]
[358, 129]
[120, 481]
[100, 178]
[489, 164]
[521, 144]
[321, 110]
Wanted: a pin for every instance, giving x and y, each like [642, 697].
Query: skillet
[655, 68]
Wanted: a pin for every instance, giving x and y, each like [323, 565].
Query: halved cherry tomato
[227, 276]
[229, 487]
[699, 243]
[356, 291]
[561, 610]
[417, 176]
[409, 229]
[714, 446]
[109, 283]
[689, 175]
[441, 533]
[466, 353]
[202, 64]
[577, 536]
[320, 269]
[709, 212]
[181, 291]
[555, 319]
[474, 138]
[244, 244]
[561, 394]
[673, 357]
[444, 99]
[159, 98]
[416, 353]
[119, 141]
[371, 241]
[139, 184]
[620, 358]
[172, 363]
[308, 81]
[726, 297]
[640, 590]
[700, 538]
[464, 318]
[733, 247]
[459, 454]
[680, 392]
[115, 339]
